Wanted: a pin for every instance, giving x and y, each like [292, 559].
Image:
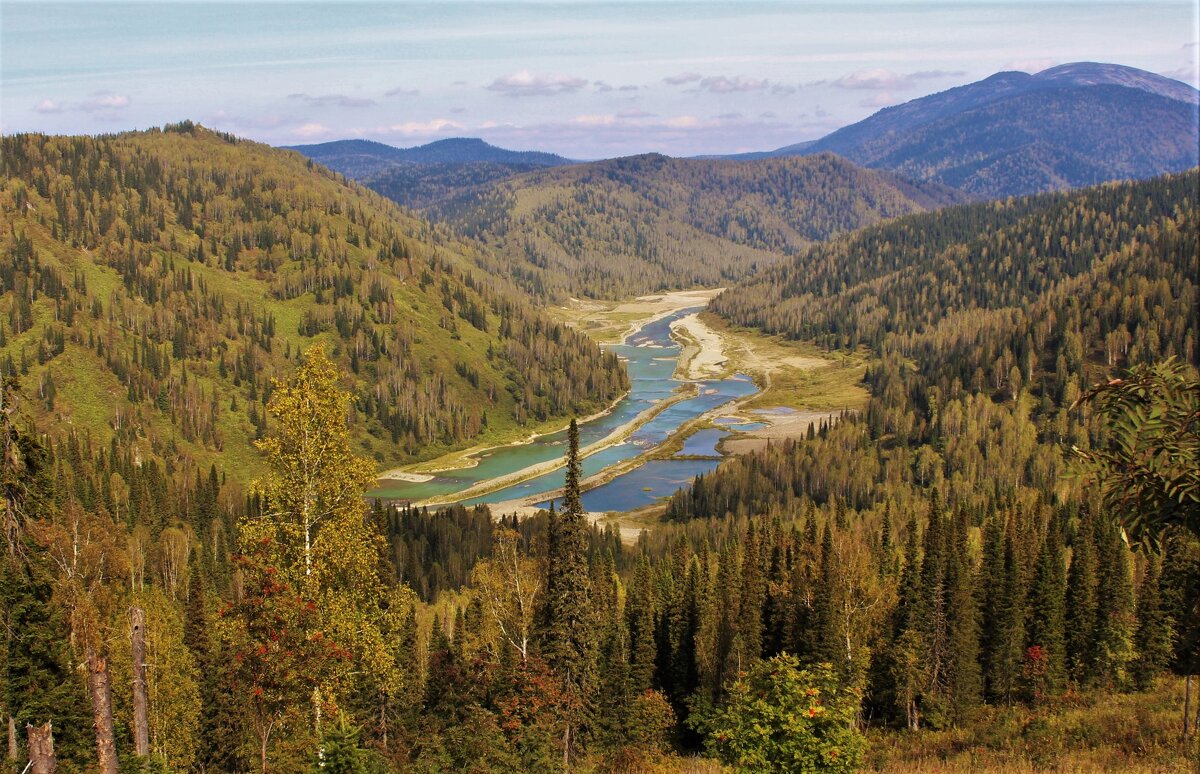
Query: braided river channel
[650, 355]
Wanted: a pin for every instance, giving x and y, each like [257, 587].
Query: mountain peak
[1104, 74]
[364, 158]
[1011, 133]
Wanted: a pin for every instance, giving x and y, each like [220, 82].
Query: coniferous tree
[1009, 647]
[962, 668]
[1115, 609]
[824, 628]
[569, 632]
[640, 612]
[1081, 602]
[1045, 628]
[753, 595]
[1152, 643]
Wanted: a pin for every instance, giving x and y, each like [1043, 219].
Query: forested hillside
[363, 159]
[1014, 133]
[153, 284]
[946, 557]
[647, 223]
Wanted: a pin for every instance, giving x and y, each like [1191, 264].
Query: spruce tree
[569, 631]
[1009, 652]
[824, 636]
[1081, 602]
[753, 595]
[1115, 609]
[963, 672]
[642, 650]
[1155, 634]
[1046, 622]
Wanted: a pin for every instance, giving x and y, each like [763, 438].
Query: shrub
[779, 717]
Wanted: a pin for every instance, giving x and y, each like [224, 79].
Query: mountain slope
[1013, 133]
[648, 223]
[963, 274]
[154, 283]
[361, 159]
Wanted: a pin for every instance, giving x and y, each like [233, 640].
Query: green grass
[1136, 732]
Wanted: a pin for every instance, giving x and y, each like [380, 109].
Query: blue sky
[585, 79]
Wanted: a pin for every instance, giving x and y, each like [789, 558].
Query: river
[650, 355]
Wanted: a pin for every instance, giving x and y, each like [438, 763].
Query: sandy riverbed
[703, 355]
[780, 425]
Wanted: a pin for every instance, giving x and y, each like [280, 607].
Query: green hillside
[647, 223]
[154, 283]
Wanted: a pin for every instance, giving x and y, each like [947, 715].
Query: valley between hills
[876, 452]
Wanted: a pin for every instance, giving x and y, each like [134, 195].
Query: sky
[583, 79]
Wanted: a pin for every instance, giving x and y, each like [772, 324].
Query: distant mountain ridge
[1013, 133]
[360, 159]
[647, 223]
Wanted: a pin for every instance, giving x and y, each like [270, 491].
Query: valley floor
[798, 385]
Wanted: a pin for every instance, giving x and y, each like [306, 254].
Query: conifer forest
[352, 458]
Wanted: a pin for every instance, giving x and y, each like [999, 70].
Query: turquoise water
[702, 443]
[650, 356]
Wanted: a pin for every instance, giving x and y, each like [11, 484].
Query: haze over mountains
[1013, 133]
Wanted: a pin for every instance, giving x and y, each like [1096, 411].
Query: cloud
[105, 104]
[1030, 65]
[934, 74]
[721, 84]
[730, 116]
[310, 130]
[434, 126]
[103, 101]
[1188, 74]
[333, 100]
[784, 89]
[595, 120]
[400, 91]
[634, 113]
[602, 87]
[526, 84]
[682, 78]
[887, 80]
[873, 79]
[457, 111]
[882, 99]
[263, 122]
[628, 87]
